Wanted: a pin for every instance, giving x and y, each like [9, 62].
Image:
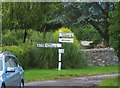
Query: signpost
[61, 34]
[50, 45]
[60, 56]
[61, 50]
[66, 40]
[63, 38]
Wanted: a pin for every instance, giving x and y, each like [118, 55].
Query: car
[11, 72]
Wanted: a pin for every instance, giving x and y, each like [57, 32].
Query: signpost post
[63, 38]
[60, 51]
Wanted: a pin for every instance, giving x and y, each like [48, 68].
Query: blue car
[11, 72]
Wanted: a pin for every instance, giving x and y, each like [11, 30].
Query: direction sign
[50, 45]
[67, 40]
[61, 34]
[61, 50]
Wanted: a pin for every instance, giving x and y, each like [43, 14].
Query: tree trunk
[106, 38]
[25, 36]
[104, 34]
[105, 42]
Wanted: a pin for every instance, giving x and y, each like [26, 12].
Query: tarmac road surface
[86, 81]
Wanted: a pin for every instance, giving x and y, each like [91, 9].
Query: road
[76, 82]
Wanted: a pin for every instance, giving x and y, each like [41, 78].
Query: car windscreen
[1, 65]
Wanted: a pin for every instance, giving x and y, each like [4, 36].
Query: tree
[115, 28]
[93, 13]
[26, 15]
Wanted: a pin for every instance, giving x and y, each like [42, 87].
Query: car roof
[1, 53]
[6, 53]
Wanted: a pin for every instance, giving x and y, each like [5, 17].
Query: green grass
[39, 75]
[110, 82]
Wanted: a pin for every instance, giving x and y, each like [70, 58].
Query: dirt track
[76, 82]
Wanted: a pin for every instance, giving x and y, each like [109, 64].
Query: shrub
[72, 57]
[33, 57]
[21, 52]
[48, 57]
[12, 37]
[9, 38]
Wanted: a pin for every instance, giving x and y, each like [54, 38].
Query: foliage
[115, 28]
[9, 38]
[12, 37]
[72, 57]
[21, 52]
[87, 33]
[15, 37]
[28, 15]
[93, 13]
[48, 57]
[32, 56]
[25, 15]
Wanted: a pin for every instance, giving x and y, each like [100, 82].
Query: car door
[9, 75]
[17, 75]
[12, 78]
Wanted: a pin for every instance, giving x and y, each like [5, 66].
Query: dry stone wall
[100, 56]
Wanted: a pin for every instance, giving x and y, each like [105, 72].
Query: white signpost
[61, 50]
[60, 57]
[50, 45]
[66, 40]
[61, 34]
[63, 37]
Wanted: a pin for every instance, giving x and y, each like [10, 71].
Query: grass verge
[40, 75]
[110, 82]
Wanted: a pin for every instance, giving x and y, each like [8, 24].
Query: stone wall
[101, 56]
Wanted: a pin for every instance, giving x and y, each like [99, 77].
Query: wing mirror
[10, 69]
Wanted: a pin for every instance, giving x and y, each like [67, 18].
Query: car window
[13, 62]
[7, 62]
[1, 65]
[10, 62]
